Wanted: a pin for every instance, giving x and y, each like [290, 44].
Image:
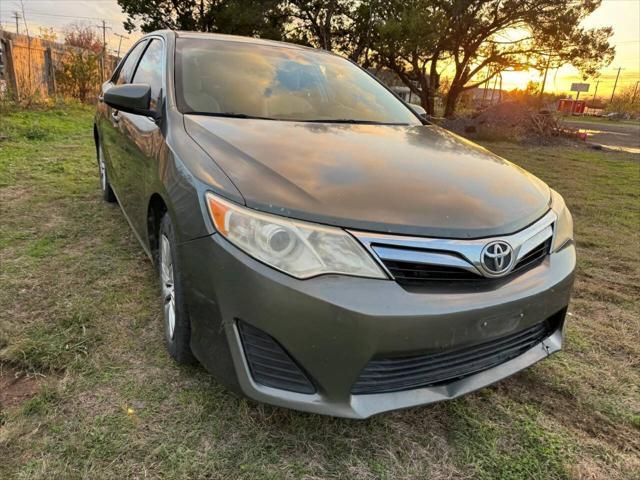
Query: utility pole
[635, 90]
[16, 16]
[544, 79]
[615, 85]
[595, 91]
[120, 42]
[104, 48]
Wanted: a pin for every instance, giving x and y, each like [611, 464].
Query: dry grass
[79, 308]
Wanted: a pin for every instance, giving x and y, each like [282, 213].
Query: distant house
[391, 80]
[405, 94]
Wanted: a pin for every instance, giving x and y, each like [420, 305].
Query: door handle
[115, 117]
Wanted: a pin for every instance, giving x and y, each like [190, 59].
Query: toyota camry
[319, 244]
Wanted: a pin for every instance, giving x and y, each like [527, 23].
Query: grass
[80, 312]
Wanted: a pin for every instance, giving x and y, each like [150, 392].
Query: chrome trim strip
[464, 254]
[534, 241]
[424, 256]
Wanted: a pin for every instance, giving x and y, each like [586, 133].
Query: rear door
[111, 135]
[142, 139]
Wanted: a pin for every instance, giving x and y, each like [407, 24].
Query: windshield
[230, 78]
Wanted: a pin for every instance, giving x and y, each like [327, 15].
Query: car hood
[410, 180]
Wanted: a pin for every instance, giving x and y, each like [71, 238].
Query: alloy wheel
[168, 285]
[103, 169]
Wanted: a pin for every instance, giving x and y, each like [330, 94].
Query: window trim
[163, 80]
[164, 56]
[116, 72]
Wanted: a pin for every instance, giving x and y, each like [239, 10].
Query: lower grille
[383, 375]
[269, 363]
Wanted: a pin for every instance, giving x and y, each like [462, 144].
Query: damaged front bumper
[331, 328]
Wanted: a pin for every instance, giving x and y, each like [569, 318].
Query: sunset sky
[623, 15]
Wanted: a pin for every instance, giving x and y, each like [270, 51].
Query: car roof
[237, 38]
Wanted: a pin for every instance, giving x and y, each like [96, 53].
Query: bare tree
[82, 35]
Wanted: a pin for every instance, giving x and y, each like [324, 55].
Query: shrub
[77, 74]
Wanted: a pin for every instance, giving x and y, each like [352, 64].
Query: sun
[520, 79]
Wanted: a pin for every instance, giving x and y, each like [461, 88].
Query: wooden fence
[29, 65]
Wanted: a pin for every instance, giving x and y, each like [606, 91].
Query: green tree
[408, 41]
[469, 41]
[260, 18]
[341, 26]
[475, 40]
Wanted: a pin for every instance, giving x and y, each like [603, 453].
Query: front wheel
[177, 327]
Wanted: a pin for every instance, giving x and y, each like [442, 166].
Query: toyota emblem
[497, 258]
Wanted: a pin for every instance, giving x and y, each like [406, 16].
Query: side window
[149, 70]
[129, 65]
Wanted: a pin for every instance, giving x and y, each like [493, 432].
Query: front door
[141, 140]
[111, 135]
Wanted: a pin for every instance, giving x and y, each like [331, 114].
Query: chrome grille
[410, 272]
[420, 260]
[534, 257]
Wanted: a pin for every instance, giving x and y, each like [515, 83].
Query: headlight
[300, 249]
[564, 225]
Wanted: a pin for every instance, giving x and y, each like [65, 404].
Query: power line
[30, 12]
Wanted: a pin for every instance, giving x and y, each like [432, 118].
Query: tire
[177, 327]
[107, 192]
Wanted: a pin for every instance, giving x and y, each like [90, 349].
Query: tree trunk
[452, 100]
[434, 84]
[425, 89]
[430, 106]
[424, 100]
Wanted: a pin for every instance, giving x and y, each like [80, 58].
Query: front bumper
[334, 325]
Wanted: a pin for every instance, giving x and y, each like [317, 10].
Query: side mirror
[132, 98]
[418, 109]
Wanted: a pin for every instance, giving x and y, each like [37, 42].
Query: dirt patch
[16, 386]
[575, 416]
[13, 193]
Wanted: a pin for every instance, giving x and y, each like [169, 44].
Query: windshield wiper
[352, 121]
[229, 115]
